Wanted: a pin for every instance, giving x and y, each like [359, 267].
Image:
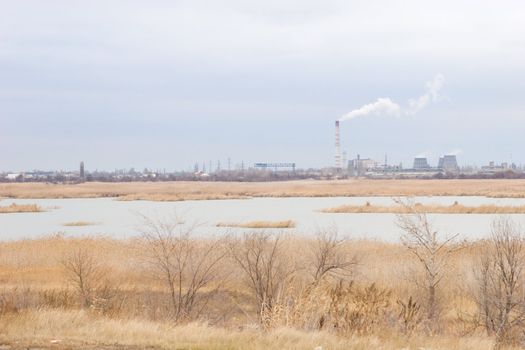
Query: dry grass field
[175, 191]
[129, 303]
[80, 329]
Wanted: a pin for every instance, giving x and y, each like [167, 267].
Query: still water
[121, 219]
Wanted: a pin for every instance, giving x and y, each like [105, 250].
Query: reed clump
[259, 224]
[20, 208]
[455, 208]
[78, 223]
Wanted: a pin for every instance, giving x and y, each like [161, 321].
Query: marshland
[259, 273]
[262, 175]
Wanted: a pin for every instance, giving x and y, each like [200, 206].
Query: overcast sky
[165, 84]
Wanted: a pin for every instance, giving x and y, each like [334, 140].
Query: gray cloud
[176, 72]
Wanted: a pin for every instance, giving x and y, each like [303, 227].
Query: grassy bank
[176, 191]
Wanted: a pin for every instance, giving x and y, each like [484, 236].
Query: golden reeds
[38, 305]
[50, 328]
[455, 208]
[78, 223]
[259, 224]
[185, 190]
[20, 208]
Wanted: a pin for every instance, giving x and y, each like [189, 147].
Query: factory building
[359, 166]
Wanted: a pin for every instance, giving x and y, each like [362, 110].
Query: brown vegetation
[184, 190]
[20, 208]
[80, 329]
[78, 223]
[432, 253]
[169, 288]
[259, 224]
[500, 293]
[455, 208]
[189, 268]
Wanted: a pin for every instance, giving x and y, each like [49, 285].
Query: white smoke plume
[426, 154]
[455, 152]
[431, 95]
[385, 106]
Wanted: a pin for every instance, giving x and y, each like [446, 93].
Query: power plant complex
[343, 167]
[447, 164]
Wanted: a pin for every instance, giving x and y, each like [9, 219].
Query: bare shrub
[329, 258]
[267, 270]
[431, 251]
[84, 272]
[500, 295]
[185, 265]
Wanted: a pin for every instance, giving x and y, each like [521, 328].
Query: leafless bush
[431, 251]
[329, 258]
[84, 272]
[500, 294]
[183, 263]
[267, 270]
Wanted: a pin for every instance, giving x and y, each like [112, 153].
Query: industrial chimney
[337, 146]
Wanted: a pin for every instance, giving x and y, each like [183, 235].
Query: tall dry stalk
[343, 307]
[500, 295]
[431, 251]
[187, 266]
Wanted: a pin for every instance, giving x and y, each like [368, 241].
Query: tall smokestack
[337, 146]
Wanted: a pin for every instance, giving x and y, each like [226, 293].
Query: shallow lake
[121, 219]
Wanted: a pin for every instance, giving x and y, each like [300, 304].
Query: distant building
[359, 166]
[448, 163]
[81, 173]
[13, 176]
[492, 167]
[275, 166]
[421, 163]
